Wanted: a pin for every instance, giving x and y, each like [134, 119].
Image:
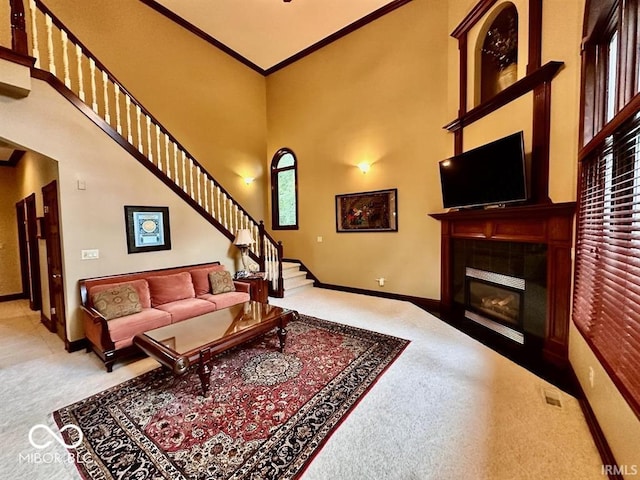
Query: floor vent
[552, 397]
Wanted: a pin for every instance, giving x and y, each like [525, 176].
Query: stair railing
[63, 55]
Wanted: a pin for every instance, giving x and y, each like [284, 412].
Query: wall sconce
[248, 180]
[364, 167]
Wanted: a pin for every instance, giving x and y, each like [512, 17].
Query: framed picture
[367, 212]
[147, 229]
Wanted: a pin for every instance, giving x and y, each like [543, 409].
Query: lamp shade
[243, 237]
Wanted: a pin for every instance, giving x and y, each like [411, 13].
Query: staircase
[294, 278]
[67, 65]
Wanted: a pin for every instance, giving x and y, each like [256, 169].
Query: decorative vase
[507, 76]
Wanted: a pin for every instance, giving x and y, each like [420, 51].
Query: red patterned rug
[266, 414]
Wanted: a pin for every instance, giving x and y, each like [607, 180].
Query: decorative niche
[498, 52]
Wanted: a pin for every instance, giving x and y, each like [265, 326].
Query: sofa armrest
[96, 329]
[242, 286]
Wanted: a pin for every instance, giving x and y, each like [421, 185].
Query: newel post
[19, 42]
[280, 279]
[261, 259]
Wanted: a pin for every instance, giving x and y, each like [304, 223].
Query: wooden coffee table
[180, 345]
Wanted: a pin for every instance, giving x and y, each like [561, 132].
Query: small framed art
[148, 228]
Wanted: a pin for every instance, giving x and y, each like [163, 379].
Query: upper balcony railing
[112, 107]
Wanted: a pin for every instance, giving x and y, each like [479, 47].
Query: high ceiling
[268, 32]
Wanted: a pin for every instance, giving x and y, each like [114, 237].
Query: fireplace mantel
[550, 224]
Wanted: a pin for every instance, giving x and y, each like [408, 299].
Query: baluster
[138, 115]
[158, 151]
[212, 188]
[105, 94]
[116, 88]
[52, 64]
[225, 202]
[92, 72]
[219, 209]
[175, 164]
[80, 78]
[166, 155]
[184, 171]
[206, 193]
[127, 104]
[191, 190]
[65, 58]
[198, 171]
[149, 152]
[231, 215]
[34, 33]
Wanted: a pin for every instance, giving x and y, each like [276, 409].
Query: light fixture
[364, 167]
[242, 241]
[248, 180]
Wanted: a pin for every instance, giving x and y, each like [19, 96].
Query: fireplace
[531, 242]
[502, 286]
[495, 301]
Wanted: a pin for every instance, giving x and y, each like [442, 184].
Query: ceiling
[270, 32]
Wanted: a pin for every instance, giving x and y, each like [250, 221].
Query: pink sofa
[163, 297]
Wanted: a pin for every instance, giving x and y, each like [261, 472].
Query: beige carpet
[448, 408]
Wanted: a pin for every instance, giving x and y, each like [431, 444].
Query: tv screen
[492, 174]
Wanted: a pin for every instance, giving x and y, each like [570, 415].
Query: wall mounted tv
[493, 174]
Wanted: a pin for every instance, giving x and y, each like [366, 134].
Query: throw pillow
[221, 282]
[170, 288]
[117, 302]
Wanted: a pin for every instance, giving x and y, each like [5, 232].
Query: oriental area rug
[265, 416]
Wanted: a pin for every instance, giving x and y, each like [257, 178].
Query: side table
[259, 288]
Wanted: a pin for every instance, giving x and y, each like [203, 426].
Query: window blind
[606, 306]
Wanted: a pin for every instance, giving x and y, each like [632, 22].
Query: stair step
[295, 282]
[290, 266]
[299, 288]
[291, 273]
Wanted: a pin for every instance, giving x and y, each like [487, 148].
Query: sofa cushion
[221, 282]
[125, 328]
[187, 308]
[141, 286]
[170, 288]
[200, 278]
[224, 300]
[117, 301]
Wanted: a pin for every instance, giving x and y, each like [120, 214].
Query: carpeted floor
[447, 408]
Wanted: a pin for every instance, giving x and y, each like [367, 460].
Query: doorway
[29, 252]
[51, 232]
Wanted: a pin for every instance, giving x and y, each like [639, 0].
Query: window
[284, 190]
[606, 297]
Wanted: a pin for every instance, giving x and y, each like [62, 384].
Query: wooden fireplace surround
[549, 224]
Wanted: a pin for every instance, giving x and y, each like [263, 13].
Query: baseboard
[12, 297]
[47, 322]
[425, 303]
[75, 345]
[594, 427]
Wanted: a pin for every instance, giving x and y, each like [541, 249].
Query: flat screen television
[492, 174]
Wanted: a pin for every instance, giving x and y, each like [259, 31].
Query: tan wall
[5, 22]
[10, 279]
[213, 105]
[376, 96]
[94, 218]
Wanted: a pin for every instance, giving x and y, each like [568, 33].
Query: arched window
[284, 190]
[499, 53]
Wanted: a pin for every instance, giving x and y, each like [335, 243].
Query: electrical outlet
[380, 281]
[591, 376]
[90, 254]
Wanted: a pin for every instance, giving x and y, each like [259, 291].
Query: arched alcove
[497, 50]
